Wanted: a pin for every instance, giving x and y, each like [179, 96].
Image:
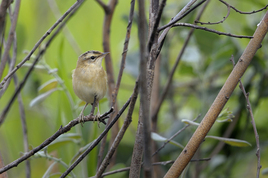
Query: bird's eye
[92, 57]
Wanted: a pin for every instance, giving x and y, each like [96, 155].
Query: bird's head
[91, 57]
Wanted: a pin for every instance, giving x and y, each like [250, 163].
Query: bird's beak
[105, 53]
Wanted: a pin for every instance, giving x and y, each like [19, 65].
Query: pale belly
[87, 87]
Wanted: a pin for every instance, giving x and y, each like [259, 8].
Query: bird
[89, 80]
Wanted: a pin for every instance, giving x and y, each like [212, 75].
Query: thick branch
[220, 101]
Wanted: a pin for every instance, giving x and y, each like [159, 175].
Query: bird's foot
[81, 119]
[97, 118]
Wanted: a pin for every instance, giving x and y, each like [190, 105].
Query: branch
[109, 11]
[179, 16]
[241, 86]
[96, 142]
[75, 5]
[121, 133]
[241, 12]
[210, 30]
[170, 77]
[144, 91]
[220, 101]
[40, 54]
[61, 131]
[173, 136]
[10, 38]
[172, 21]
[103, 5]
[224, 18]
[54, 8]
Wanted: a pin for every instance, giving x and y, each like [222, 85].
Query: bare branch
[40, 54]
[210, 30]
[173, 136]
[185, 14]
[75, 5]
[65, 30]
[170, 77]
[61, 131]
[144, 92]
[109, 11]
[10, 37]
[121, 133]
[241, 86]
[174, 20]
[220, 101]
[241, 12]
[96, 142]
[103, 5]
[213, 23]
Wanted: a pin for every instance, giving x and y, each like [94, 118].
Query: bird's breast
[90, 82]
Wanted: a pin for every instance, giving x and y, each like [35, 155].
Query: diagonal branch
[97, 141]
[220, 101]
[61, 131]
[74, 6]
[10, 37]
[40, 54]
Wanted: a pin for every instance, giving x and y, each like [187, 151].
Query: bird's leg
[93, 105]
[98, 113]
[81, 115]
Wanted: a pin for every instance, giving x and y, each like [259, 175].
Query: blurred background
[50, 102]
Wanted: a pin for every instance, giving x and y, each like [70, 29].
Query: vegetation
[167, 71]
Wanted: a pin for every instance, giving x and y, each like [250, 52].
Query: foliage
[49, 100]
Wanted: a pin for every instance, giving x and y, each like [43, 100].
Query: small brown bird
[90, 79]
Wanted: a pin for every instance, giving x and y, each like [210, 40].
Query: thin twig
[164, 163]
[96, 142]
[173, 136]
[214, 23]
[185, 14]
[223, 96]
[109, 11]
[154, 32]
[61, 131]
[121, 133]
[10, 37]
[241, 86]
[210, 30]
[40, 54]
[24, 129]
[54, 8]
[174, 20]
[12, 61]
[76, 4]
[170, 77]
[241, 12]
[3, 11]
[122, 66]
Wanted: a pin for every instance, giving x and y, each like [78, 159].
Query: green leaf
[63, 140]
[46, 175]
[41, 97]
[265, 171]
[159, 138]
[49, 85]
[231, 141]
[226, 116]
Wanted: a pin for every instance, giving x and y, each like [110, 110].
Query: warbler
[90, 79]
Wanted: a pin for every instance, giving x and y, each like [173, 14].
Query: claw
[81, 115]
